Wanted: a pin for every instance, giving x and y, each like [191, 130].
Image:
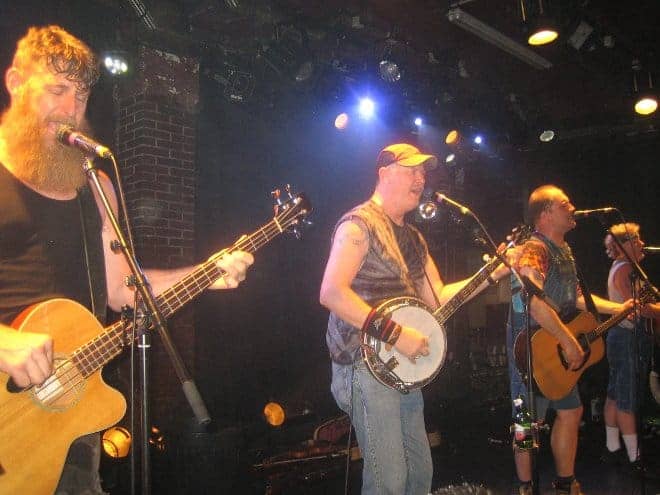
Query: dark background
[265, 341]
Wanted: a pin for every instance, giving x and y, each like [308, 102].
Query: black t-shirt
[41, 249]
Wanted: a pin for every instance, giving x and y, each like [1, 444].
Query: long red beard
[36, 157]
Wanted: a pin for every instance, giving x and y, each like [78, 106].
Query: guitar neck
[607, 324]
[443, 313]
[93, 355]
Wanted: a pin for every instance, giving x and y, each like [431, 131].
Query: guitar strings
[74, 376]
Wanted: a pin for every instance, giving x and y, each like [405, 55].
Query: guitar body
[38, 425]
[552, 377]
[394, 369]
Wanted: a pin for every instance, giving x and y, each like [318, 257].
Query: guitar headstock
[291, 210]
[648, 294]
[519, 234]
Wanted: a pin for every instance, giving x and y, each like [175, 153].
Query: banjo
[394, 369]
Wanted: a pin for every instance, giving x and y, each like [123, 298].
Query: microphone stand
[153, 317]
[528, 290]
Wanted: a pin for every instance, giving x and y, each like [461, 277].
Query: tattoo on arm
[352, 239]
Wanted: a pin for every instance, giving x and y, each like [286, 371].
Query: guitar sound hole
[12, 388]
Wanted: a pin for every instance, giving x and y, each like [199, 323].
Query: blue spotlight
[418, 121]
[478, 139]
[366, 108]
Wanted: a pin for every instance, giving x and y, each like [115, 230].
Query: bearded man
[55, 236]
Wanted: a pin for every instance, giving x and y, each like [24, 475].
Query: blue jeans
[626, 376]
[390, 431]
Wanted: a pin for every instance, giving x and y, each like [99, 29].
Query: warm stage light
[341, 122]
[646, 105]
[646, 97]
[116, 442]
[274, 414]
[542, 37]
[452, 137]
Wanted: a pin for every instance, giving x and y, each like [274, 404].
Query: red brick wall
[155, 144]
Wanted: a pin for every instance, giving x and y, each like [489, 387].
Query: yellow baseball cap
[405, 155]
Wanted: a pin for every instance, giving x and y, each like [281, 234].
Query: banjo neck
[444, 312]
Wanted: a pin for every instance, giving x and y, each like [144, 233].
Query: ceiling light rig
[392, 60]
[473, 25]
[646, 97]
[542, 28]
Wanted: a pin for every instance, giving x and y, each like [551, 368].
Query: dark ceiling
[451, 75]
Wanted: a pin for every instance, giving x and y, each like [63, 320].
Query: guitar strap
[586, 293]
[90, 222]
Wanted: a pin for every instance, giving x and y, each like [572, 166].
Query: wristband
[381, 327]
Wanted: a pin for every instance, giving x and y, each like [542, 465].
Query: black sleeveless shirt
[41, 249]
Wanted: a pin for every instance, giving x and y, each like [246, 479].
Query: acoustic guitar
[37, 425]
[551, 371]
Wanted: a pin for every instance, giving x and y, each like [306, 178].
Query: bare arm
[349, 247]
[548, 318]
[622, 283]
[233, 265]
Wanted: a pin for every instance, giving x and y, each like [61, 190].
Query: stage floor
[474, 451]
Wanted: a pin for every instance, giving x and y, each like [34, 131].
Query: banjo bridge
[392, 363]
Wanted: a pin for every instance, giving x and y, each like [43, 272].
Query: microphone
[441, 198]
[651, 250]
[68, 137]
[586, 213]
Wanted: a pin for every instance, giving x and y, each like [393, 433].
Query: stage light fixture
[542, 28]
[393, 55]
[646, 98]
[115, 62]
[389, 71]
[453, 137]
[157, 439]
[274, 414]
[418, 121]
[116, 442]
[473, 25]
[478, 139]
[450, 159]
[366, 108]
[341, 122]
[646, 105]
[547, 135]
[288, 54]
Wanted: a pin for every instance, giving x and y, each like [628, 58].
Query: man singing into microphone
[628, 351]
[45, 200]
[376, 255]
[546, 259]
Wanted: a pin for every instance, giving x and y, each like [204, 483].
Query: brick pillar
[155, 147]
